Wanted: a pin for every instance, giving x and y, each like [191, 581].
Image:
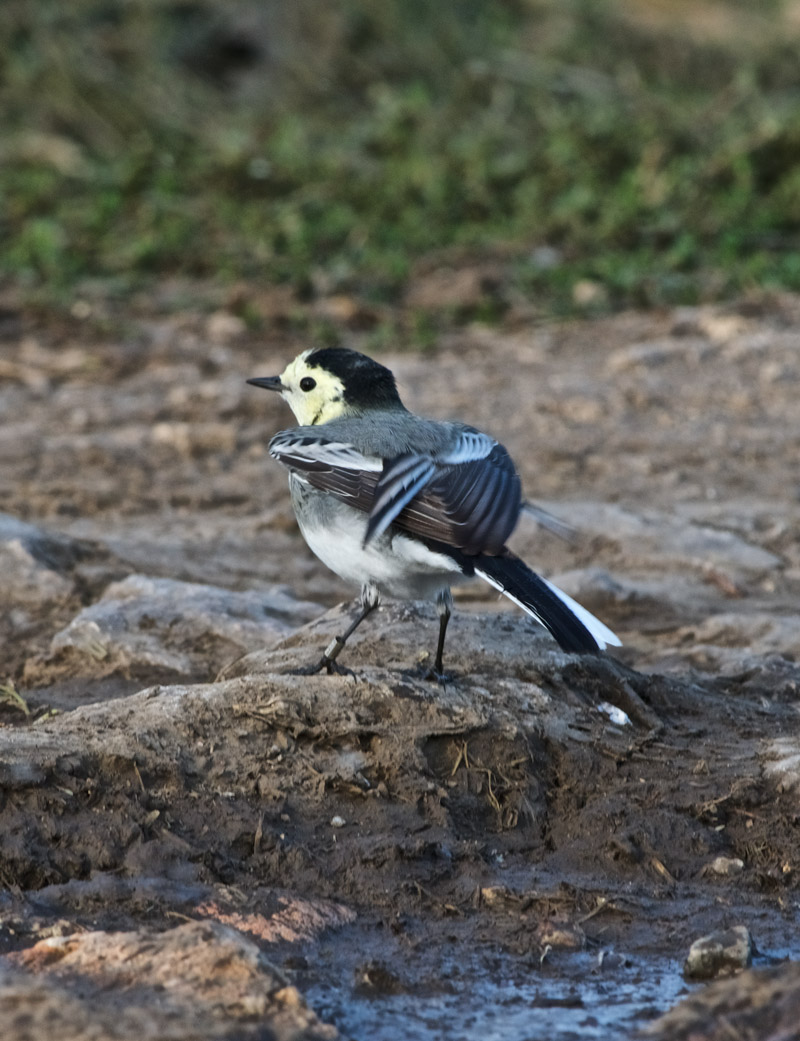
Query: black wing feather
[402, 479]
[472, 505]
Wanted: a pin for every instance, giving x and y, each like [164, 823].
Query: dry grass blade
[11, 697]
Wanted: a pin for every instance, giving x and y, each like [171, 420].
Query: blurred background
[605, 153]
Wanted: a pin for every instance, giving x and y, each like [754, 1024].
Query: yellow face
[313, 394]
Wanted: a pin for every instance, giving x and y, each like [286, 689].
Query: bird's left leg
[370, 598]
[444, 605]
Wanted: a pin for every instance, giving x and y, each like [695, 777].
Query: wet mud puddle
[374, 991]
[480, 1000]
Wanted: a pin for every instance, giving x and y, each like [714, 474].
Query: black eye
[307, 383]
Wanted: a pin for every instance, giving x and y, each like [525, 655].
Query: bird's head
[321, 385]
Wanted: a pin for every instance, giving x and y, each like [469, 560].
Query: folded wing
[468, 497]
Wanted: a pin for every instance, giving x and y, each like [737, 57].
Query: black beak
[267, 382]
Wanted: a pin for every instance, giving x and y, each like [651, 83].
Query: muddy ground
[194, 843]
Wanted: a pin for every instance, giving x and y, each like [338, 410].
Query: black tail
[547, 604]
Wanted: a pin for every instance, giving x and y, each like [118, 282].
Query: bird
[403, 506]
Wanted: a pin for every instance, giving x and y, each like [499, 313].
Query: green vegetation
[333, 145]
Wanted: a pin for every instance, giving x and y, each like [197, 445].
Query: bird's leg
[370, 598]
[335, 647]
[444, 605]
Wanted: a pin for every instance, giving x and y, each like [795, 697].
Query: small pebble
[726, 866]
[616, 715]
[338, 822]
[719, 954]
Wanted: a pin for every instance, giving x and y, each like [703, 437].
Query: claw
[436, 676]
[335, 669]
[328, 664]
[307, 670]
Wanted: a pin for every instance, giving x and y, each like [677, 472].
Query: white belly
[399, 566]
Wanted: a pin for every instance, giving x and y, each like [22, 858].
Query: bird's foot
[442, 678]
[328, 660]
[333, 668]
[305, 670]
[434, 675]
[330, 666]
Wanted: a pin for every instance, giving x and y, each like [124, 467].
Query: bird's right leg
[370, 598]
[444, 606]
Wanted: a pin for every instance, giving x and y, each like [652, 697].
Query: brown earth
[376, 838]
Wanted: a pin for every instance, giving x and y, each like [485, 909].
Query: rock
[201, 979]
[613, 961]
[703, 547]
[27, 582]
[760, 632]
[594, 582]
[499, 898]
[180, 627]
[267, 915]
[759, 1003]
[726, 866]
[225, 551]
[181, 781]
[617, 716]
[660, 540]
[375, 980]
[601, 592]
[738, 671]
[719, 954]
[57, 551]
[782, 762]
[722, 328]
[33, 563]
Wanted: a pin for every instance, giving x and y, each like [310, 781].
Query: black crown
[367, 383]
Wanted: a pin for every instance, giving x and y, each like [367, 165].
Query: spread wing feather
[468, 497]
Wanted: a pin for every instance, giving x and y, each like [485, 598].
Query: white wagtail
[406, 506]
